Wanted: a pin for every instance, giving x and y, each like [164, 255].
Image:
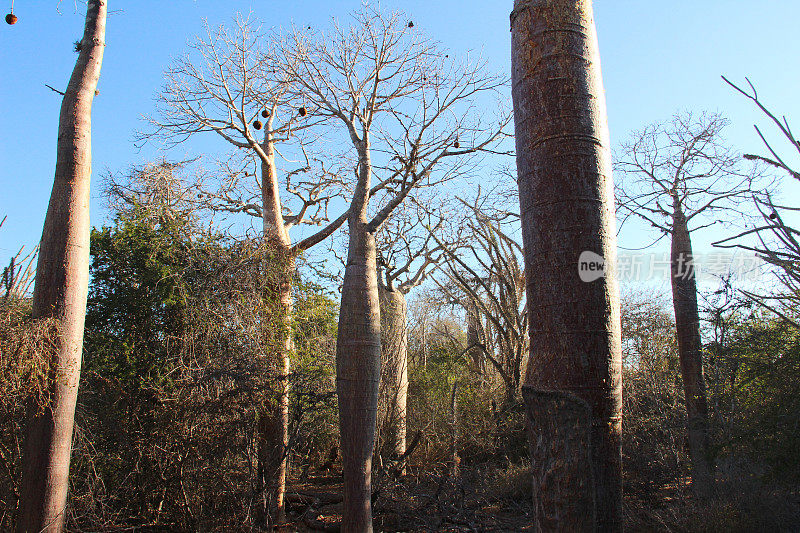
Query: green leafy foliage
[758, 394]
[137, 300]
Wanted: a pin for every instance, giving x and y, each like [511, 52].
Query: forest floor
[483, 499]
[425, 502]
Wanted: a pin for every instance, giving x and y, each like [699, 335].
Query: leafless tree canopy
[232, 83]
[771, 237]
[488, 275]
[394, 90]
[683, 162]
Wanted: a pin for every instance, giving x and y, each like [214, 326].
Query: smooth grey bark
[566, 208]
[394, 374]
[690, 353]
[60, 291]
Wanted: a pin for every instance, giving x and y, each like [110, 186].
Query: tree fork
[566, 208]
[60, 291]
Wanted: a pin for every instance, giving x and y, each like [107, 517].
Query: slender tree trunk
[455, 460]
[358, 358]
[394, 375]
[62, 285]
[475, 337]
[573, 382]
[274, 420]
[687, 327]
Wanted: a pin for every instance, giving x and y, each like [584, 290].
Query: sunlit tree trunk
[687, 326]
[62, 284]
[358, 358]
[573, 382]
[274, 420]
[475, 339]
[394, 375]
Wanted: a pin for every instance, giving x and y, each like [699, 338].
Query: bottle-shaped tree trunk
[62, 284]
[690, 353]
[358, 356]
[358, 367]
[573, 382]
[394, 371]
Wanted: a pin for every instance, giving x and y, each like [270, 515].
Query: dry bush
[180, 450]
[26, 349]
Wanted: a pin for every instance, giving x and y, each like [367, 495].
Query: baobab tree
[60, 291]
[407, 255]
[573, 387]
[232, 85]
[680, 177]
[407, 111]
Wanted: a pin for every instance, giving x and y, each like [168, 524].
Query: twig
[55, 90]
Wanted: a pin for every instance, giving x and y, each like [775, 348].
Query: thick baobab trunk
[62, 284]
[573, 382]
[358, 362]
[394, 373]
[358, 359]
[274, 420]
[687, 326]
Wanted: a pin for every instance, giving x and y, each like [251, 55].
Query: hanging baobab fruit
[11, 18]
[265, 113]
[456, 144]
[302, 111]
[257, 124]
[410, 23]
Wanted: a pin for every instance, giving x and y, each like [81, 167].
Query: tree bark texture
[394, 371]
[358, 357]
[274, 420]
[61, 288]
[561, 455]
[687, 327]
[358, 367]
[566, 207]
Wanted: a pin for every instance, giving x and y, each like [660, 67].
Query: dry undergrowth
[27, 346]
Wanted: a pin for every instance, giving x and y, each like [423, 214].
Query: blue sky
[657, 58]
